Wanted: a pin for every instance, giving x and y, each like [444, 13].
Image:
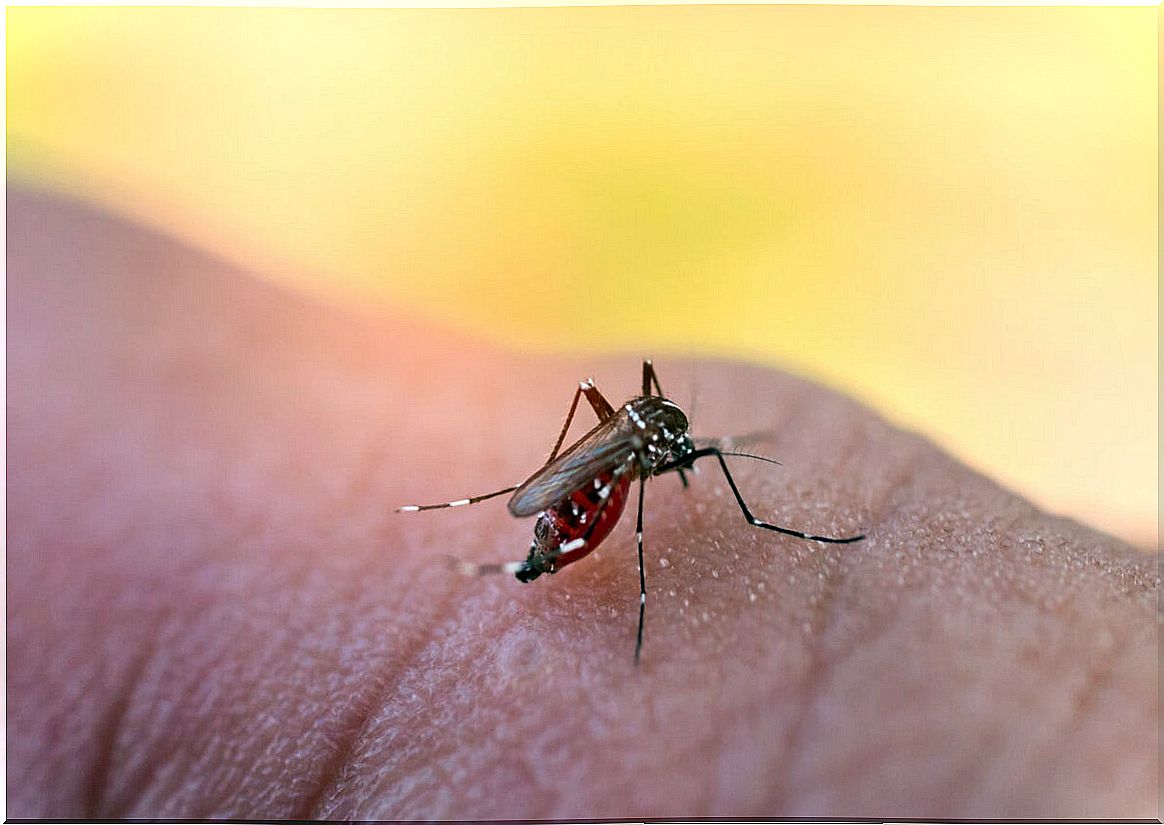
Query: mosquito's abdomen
[571, 518]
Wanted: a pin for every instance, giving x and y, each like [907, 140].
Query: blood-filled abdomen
[574, 516]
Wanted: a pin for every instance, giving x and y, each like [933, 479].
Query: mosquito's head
[674, 425]
[661, 430]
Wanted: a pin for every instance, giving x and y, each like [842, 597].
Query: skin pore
[214, 611]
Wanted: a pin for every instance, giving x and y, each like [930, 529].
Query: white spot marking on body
[571, 545]
[411, 508]
[597, 484]
[642, 598]
[639, 536]
[459, 503]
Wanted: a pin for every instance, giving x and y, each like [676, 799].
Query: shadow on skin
[213, 610]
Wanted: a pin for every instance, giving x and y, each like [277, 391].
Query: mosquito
[580, 493]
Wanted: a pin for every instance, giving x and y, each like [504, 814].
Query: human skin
[213, 609]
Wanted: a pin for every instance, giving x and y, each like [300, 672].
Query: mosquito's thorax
[661, 431]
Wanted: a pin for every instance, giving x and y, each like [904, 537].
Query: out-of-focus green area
[950, 212]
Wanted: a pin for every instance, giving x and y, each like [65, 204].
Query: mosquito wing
[599, 451]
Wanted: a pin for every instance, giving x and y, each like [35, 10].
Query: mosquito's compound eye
[673, 418]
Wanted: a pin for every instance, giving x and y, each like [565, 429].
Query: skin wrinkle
[145, 778]
[961, 789]
[859, 756]
[1096, 677]
[201, 691]
[410, 679]
[219, 754]
[320, 803]
[1093, 677]
[317, 804]
[336, 773]
[111, 728]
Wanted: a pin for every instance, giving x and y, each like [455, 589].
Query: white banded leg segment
[642, 572]
[568, 547]
[466, 568]
[461, 502]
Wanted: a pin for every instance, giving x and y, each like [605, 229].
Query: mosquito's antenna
[753, 455]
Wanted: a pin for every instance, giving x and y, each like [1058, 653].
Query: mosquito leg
[642, 572]
[752, 520]
[467, 568]
[651, 379]
[416, 508]
[597, 400]
[566, 426]
[598, 403]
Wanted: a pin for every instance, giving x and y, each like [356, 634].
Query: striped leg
[642, 571]
[416, 508]
[688, 459]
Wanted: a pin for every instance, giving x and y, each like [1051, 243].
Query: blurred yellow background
[949, 212]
